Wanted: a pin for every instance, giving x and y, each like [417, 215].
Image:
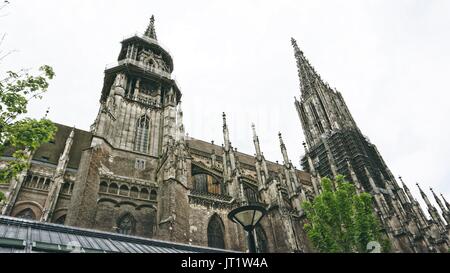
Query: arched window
[40, 183]
[261, 239]
[142, 134]
[46, 184]
[153, 195]
[103, 186]
[206, 183]
[61, 220]
[215, 232]
[65, 188]
[251, 194]
[113, 188]
[126, 224]
[134, 192]
[144, 194]
[34, 182]
[27, 181]
[26, 214]
[124, 190]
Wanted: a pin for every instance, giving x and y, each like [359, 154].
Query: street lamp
[248, 217]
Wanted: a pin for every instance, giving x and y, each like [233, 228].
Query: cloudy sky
[389, 59]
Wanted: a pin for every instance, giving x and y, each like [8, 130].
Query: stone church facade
[137, 173]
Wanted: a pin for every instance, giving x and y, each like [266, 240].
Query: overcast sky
[389, 59]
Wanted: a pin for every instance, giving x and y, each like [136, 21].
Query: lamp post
[248, 217]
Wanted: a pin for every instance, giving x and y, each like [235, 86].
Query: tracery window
[142, 134]
[251, 194]
[206, 183]
[126, 224]
[26, 214]
[61, 220]
[139, 164]
[215, 232]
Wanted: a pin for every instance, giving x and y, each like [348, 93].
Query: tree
[22, 135]
[340, 220]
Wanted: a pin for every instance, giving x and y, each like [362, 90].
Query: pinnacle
[151, 32]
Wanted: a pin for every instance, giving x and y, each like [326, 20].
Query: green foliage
[23, 135]
[340, 220]
[2, 196]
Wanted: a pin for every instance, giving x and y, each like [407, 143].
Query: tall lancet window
[142, 135]
[215, 232]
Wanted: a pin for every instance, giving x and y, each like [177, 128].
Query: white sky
[389, 59]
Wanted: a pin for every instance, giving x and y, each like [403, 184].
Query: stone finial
[224, 117]
[151, 32]
[254, 129]
[294, 42]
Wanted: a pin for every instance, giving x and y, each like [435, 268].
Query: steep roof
[208, 148]
[51, 151]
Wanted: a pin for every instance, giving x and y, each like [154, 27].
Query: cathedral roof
[207, 148]
[51, 151]
[45, 237]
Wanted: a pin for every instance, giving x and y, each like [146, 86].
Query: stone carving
[148, 58]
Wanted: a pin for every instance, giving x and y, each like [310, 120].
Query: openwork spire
[151, 32]
[306, 72]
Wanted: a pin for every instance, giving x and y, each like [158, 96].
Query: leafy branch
[340, 220]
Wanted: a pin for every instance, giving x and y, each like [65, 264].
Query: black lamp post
[248, 217]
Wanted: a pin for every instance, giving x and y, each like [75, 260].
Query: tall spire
[261, 166]
[58, 180]
[283, 150]
[424, 196]
[151, 32]
[256, 142]
[438, 201]
[408, 192]
[306, 72]
[226, 134]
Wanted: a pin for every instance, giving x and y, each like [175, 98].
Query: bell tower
[135, 125]
[139, 97]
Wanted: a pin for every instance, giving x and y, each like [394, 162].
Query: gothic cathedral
[137, 173]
